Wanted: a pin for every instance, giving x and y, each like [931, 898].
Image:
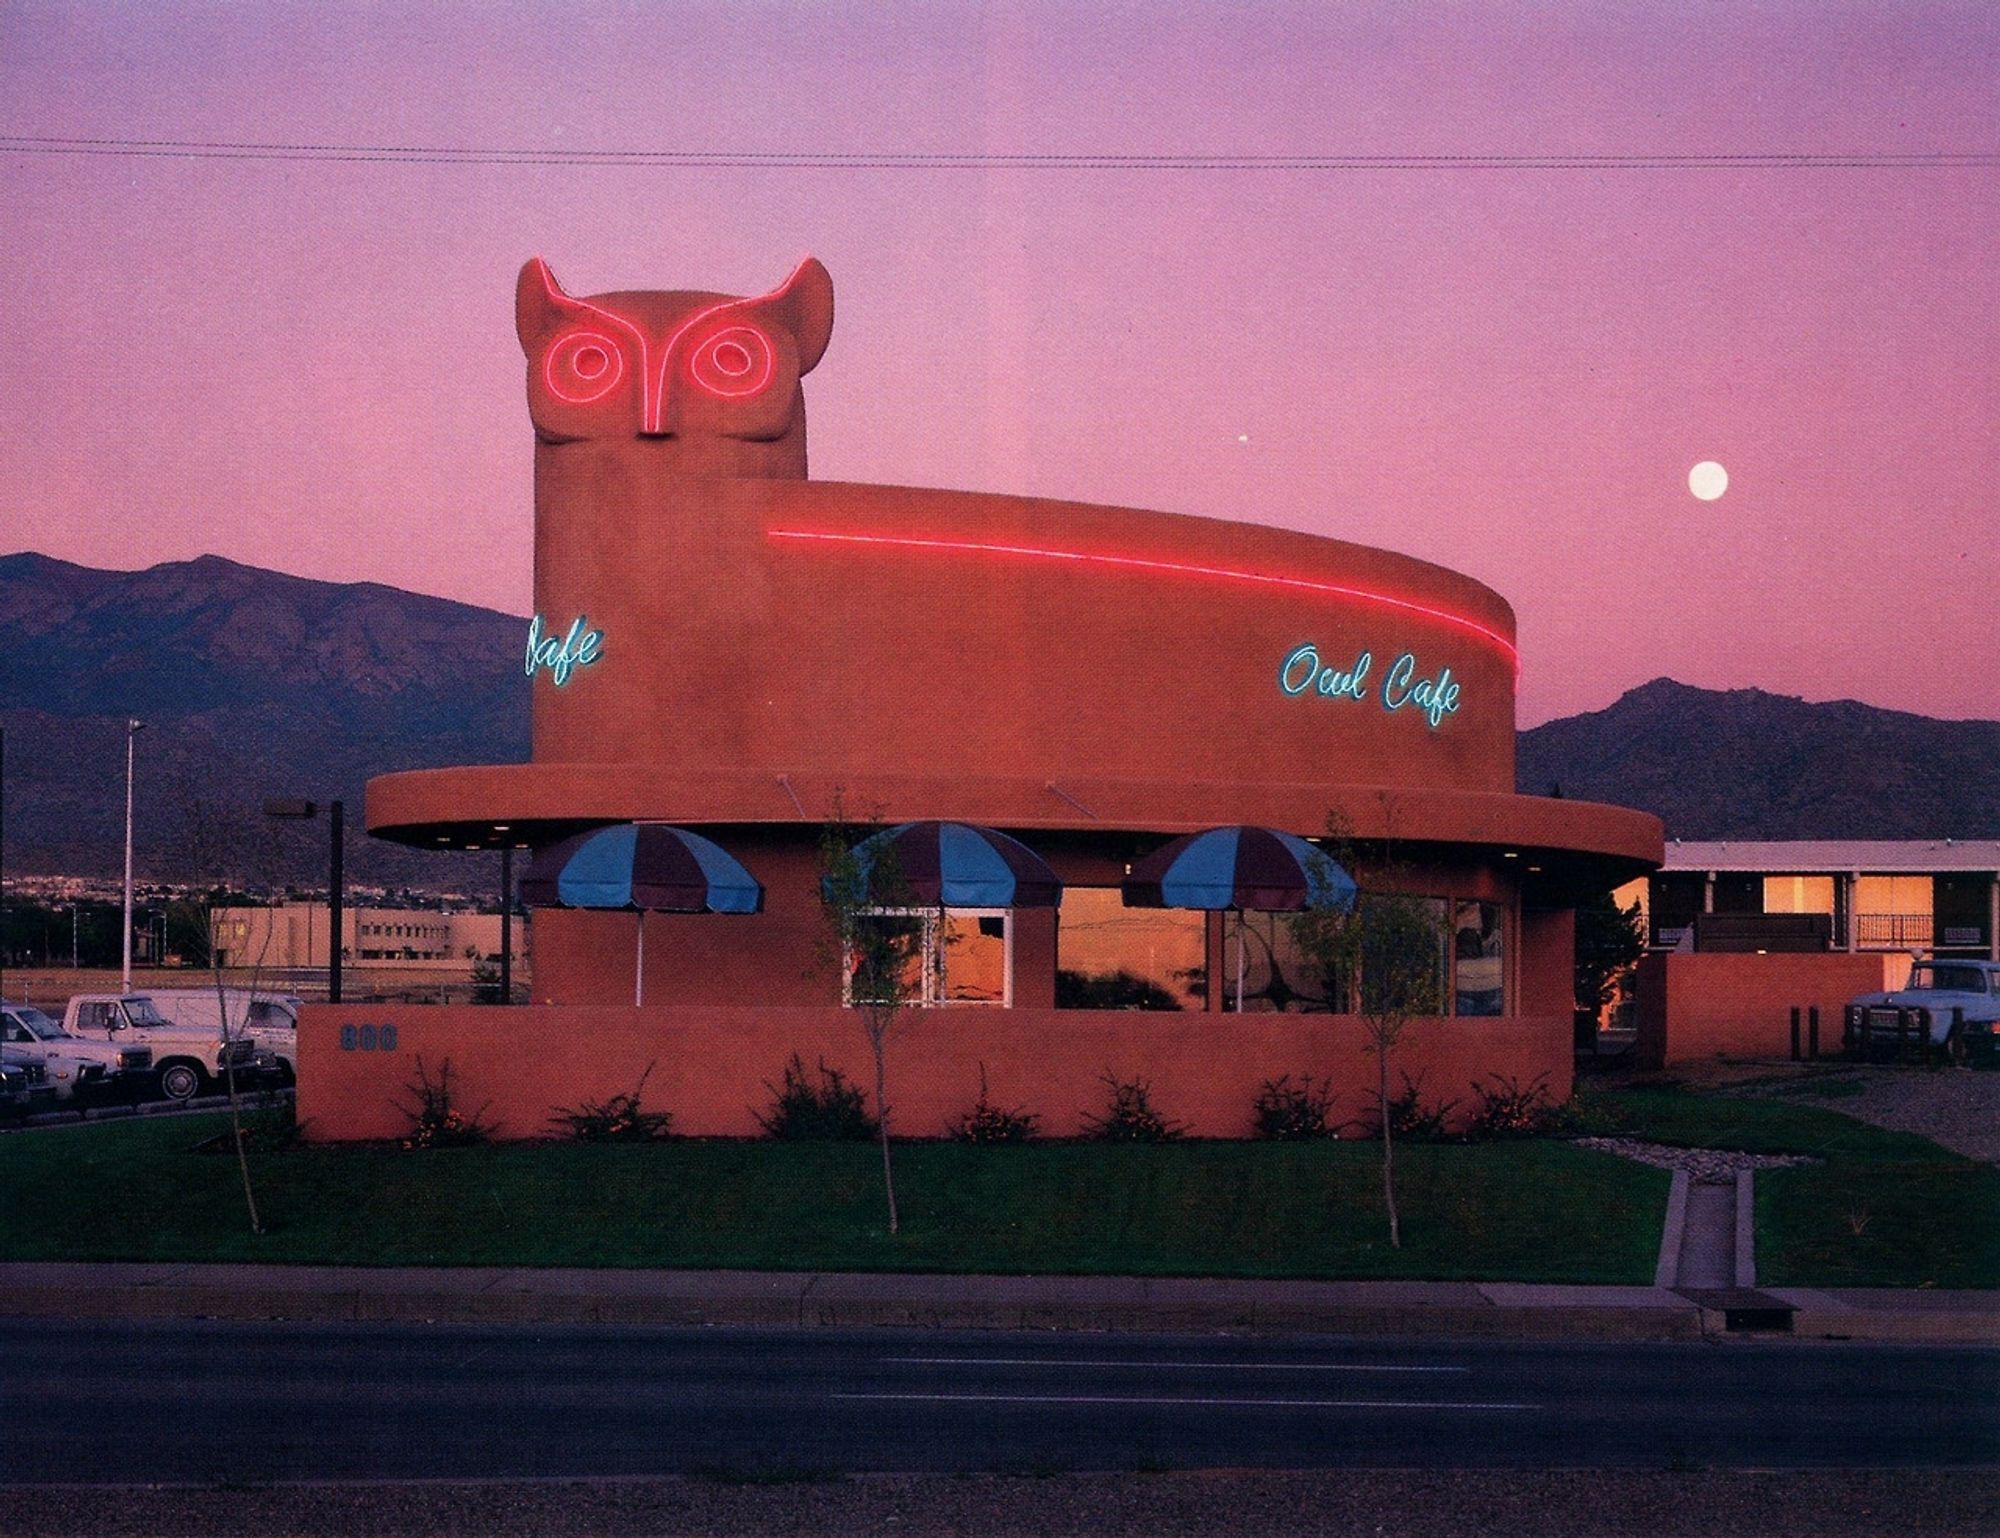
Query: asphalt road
[204, 1403]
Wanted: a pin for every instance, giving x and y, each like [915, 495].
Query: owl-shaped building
[724, 645]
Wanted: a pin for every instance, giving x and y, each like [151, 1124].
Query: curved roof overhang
[1570, 846]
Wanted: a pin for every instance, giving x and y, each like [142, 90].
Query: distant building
[1940, 896]
[287, 936]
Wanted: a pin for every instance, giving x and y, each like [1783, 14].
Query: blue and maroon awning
[951, 865]
[643, 866]
[1256, 868]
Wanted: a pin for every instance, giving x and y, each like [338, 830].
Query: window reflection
[973, 957]
[1114, 957]
[1477, 960]
[948, 956]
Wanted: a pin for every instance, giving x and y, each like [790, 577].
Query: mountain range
[252, 684]
[1743, 764]
[255, 684]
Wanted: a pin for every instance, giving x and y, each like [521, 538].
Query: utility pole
[132, 730]
[339, 820]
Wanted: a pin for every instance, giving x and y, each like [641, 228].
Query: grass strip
[1528, 1211]
[1882, 1209]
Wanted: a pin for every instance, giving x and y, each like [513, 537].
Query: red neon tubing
[1152, 563]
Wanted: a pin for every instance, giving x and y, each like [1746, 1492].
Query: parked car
[190, 1058]
[76, 1069]
[1953, 1005]
[270, 1020]
[24, 1088]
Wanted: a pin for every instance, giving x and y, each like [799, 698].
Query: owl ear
[804, 302]
[540, 305]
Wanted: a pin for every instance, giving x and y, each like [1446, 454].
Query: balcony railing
[1893, 931]
[1875, 932]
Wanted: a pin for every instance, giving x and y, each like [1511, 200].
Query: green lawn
[1884, 1209]
[1530, 1211]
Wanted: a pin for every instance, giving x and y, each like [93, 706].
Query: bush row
[823, 1105]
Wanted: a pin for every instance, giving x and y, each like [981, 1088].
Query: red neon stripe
[1179, 568]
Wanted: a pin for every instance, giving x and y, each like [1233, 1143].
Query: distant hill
[251, 684]
[255, 684]
[1745, 764]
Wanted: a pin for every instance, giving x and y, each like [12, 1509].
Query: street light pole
[337, 816]
[334, 947]
[132, 730]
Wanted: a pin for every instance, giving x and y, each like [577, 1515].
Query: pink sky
[311, 365]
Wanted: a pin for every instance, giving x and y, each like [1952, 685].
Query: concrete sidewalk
[518, 1295]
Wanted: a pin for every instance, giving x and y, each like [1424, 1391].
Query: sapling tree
[881, 941]
[1382, 956]
[217, 850]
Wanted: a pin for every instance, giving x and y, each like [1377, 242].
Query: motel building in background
[1744, 933]
[726, 646]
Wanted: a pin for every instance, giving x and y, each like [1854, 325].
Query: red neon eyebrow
[560, 299]
[667, 352]
[1179, 568]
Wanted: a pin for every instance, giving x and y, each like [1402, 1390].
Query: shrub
[1294, 1113]
[831, 1110]
[435, 1122]
[989, 1123]
[1414, 1121]
[619, 1119]
[1130, 1117]
[1510, 1110]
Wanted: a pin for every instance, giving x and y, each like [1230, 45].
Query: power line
[420, 154]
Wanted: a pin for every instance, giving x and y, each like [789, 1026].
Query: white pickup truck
[190, 1058]
[269, 1020]
[77, 1070]
[1954, 1005]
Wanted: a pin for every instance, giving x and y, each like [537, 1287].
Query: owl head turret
[702, 384]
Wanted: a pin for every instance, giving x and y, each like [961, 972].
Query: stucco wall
[1718, 1004]
[712, 1065]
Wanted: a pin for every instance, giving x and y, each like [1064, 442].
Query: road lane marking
[1064, 1361]
[1192, 1399]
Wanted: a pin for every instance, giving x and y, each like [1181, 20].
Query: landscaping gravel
[1956, 1107]
[1705, 1166]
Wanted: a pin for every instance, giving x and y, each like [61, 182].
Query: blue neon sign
[580, 647]
[1403, 685]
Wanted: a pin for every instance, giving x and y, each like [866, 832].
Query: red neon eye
[583, 366]
[739, 360]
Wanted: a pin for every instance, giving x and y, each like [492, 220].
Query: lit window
[948, 956]
[1478, 972]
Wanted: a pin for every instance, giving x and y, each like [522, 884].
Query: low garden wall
[1706, 1004]
[713, 1067]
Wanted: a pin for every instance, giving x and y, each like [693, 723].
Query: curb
[1667, 1271]
[497, 1295]
[835, 1300]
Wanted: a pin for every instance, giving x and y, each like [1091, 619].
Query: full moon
[1708, 480]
